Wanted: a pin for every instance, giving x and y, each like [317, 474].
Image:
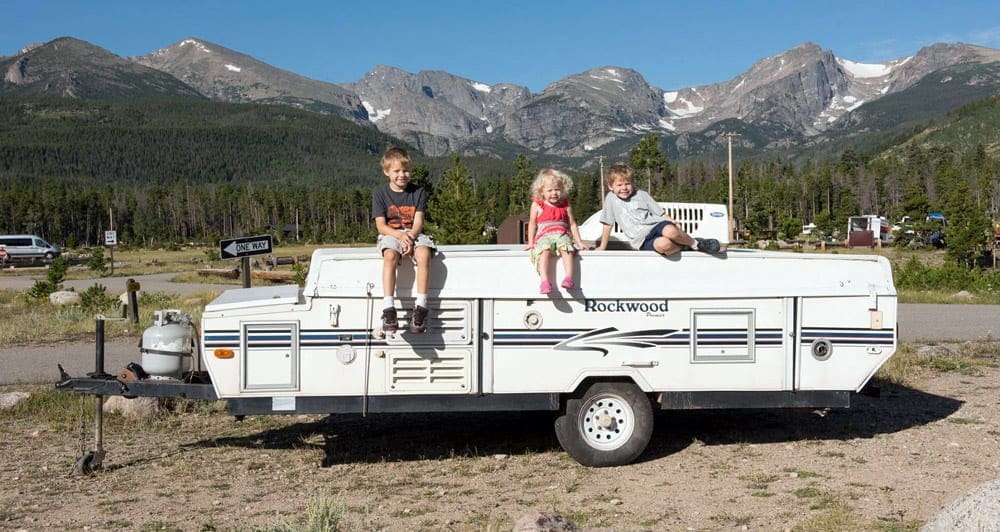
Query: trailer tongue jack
[100, 383]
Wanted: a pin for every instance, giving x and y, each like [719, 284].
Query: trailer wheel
[609, 424]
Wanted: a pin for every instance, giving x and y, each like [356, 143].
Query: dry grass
[967, 358]
[31, 322]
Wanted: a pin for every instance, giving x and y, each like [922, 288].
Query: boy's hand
[406, 242]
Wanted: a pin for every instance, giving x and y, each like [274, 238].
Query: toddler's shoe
[567, 283]
[708, 245]
[390, 322]
[545, 287]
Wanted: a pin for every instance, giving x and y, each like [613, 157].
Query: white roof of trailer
[260, 295]
[502, 272]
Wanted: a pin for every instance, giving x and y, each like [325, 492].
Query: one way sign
[246, 246]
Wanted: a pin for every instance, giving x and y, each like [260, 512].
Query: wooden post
[132, 287]
[245, 271]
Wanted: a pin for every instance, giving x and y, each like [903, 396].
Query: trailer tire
[608, 424]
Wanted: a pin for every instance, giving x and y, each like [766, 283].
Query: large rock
[977, 510]
[64, 297]
[12, 399]
[543, 522]
[139, 409]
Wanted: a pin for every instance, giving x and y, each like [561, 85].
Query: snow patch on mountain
[481, 87]
[838, 106]
[233, 68]
[865, 70]
[196, 44]
[375, 115]
[613, 76]
[669, 126]
[683, 107]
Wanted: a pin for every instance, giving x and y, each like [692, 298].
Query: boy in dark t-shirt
[398, 210]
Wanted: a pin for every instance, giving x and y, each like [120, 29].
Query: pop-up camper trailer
[739, 329]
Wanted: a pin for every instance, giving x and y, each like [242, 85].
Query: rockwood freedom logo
[593, 305]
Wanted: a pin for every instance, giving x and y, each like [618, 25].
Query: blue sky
[673, 44]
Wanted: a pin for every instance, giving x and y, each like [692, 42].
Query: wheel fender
[604, 374]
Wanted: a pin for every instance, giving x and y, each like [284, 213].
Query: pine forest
[181, 171]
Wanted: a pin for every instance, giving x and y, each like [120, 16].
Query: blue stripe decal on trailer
[603, 340]
[850, 336]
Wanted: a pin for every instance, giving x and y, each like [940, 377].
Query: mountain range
[795, 99]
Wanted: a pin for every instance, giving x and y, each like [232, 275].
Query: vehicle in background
[938, 218]
[930, 232]
[28, 247]
[700, 220]
[867, 230]
[904, 226]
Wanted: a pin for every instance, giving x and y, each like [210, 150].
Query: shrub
[96, 262]
[96, 299]
[915, 275]
[53, 280]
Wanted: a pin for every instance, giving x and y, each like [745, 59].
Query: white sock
[388, 302]
[421, 300]
[695, 245]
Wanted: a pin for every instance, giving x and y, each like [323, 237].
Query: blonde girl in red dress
[552, 229]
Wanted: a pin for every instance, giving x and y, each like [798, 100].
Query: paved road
[38, 364]
[157, 282]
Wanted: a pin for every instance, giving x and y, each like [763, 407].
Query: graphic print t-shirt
[398, 208]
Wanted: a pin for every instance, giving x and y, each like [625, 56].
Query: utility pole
[732, 225]
[111, 222]
[600, 186]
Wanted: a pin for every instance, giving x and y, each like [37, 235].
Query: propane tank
[166, 345]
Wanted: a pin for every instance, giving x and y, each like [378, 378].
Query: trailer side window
[722, 335]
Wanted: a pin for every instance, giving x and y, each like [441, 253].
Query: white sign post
[110, 240]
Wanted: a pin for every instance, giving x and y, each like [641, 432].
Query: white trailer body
[737, 329]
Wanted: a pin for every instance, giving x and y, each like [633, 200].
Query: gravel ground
[887, 463]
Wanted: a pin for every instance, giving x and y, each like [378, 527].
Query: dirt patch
[889, 462]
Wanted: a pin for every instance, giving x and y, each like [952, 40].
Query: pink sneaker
[545, 287]
[567, 283]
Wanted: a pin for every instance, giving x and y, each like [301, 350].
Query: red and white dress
[552, 231]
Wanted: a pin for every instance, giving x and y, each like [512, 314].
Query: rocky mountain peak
[228, 75]
[432, 109]
[29, 47]
[73, 68]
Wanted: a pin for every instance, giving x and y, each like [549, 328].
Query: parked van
[23, 247]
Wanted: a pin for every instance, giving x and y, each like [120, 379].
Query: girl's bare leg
[543, 265]
[567, 262]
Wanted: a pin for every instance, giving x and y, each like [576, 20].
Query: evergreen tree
[647, 159]
[458, 217]
[520, 185]
[968, 227]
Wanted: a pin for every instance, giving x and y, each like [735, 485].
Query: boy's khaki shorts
[385, 242]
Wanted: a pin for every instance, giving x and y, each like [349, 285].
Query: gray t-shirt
[635, 216]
